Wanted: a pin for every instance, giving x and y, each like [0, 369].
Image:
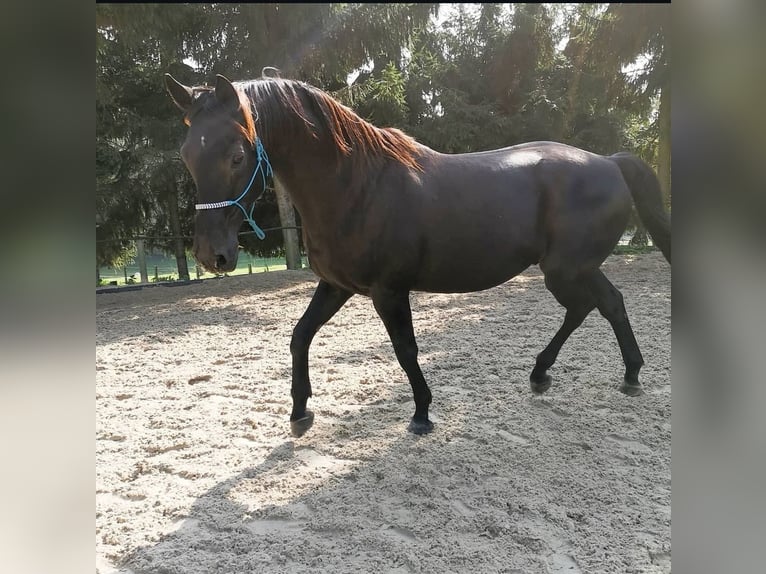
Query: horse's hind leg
[610, 304]
[327, 300]
[394, 309]
[578, 301]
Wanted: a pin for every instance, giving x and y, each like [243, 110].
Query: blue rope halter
[262, 159]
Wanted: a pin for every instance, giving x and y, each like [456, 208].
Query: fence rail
[171, 237]
[165, 268]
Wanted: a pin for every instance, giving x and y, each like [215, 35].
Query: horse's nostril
[220, 262]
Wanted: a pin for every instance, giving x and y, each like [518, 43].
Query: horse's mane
[285, 106]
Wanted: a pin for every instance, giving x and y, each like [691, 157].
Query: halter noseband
[262, 158]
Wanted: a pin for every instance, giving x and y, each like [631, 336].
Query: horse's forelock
[248, 129]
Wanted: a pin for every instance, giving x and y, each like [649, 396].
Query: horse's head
[224, 157]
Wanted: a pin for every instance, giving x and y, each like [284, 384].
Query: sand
[197, 471]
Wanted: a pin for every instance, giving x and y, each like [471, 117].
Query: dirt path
[197, 472]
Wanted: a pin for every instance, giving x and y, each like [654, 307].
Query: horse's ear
[226, 93]
[182, 95]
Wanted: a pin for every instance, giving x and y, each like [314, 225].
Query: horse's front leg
[327, 300]
[394, 309]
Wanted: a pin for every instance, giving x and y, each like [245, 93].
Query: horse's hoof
[420, 426]
[299, 427]
[631, 389]
[539, 387]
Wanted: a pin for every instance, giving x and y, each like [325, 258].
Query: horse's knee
[406, 352]
[300, 340]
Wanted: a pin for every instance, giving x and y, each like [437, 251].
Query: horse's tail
[645, 189]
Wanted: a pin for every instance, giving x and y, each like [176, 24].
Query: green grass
[167, 270]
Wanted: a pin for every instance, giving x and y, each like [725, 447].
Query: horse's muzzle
[216, 259]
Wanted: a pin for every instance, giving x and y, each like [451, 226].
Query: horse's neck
[313, 187]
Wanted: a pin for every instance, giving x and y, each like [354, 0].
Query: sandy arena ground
[197, 471]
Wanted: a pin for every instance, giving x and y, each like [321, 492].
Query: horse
[383, 215]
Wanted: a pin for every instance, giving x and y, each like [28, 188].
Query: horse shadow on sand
[481, 493]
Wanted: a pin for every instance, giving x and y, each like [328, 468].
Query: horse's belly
[340, 271]
[478, 256]
[476, 274]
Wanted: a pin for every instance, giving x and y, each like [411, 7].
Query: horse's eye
[238, 159]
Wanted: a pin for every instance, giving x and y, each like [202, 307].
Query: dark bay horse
[383, 215]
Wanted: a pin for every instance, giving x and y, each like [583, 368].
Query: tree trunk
[663, 153]
[178, 242]
[287, 219]
[573, 91]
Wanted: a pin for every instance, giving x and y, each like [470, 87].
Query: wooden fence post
[287, 217]
[142, 260]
